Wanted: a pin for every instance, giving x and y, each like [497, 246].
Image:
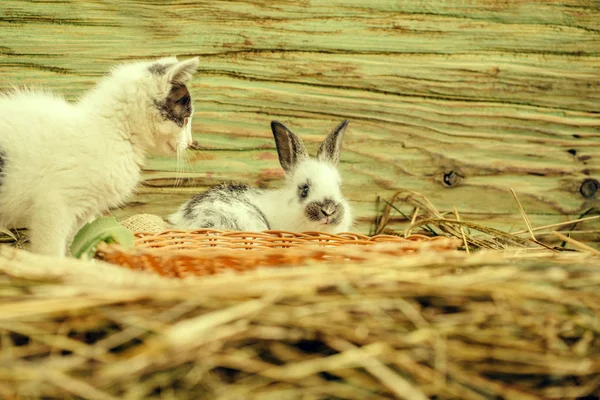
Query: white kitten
[63, 163]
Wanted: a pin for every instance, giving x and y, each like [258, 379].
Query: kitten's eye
[185, 121]
[303, 190]
[179, 94]
[184, 100]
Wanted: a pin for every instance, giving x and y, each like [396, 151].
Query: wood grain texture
[479, 94]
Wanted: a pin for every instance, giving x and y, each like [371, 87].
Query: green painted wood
[497, 94]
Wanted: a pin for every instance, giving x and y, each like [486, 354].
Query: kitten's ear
[183, 70]
[290, 148]
[331, 147]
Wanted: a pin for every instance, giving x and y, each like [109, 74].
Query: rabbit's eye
[303, 190]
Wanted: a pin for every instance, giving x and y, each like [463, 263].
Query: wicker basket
[177, 253]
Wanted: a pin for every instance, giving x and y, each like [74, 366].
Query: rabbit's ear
[331, 147]
[290, 148]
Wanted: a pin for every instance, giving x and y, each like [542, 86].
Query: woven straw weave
[177, 253]
[145, 223]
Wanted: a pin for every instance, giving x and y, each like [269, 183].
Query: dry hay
[521, 321]
[441, 325]
[425, 216]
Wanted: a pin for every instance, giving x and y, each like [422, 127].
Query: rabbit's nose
[328, 210]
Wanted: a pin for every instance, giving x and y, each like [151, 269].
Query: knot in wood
[589, 187]
[451, 178]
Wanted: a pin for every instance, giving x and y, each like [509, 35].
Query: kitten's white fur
[64, 163]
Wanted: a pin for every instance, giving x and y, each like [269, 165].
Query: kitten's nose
[328, 210]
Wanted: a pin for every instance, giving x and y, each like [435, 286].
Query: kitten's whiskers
[179, 168]
[183, 166]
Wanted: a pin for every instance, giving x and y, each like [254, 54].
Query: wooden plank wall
[460, 100]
